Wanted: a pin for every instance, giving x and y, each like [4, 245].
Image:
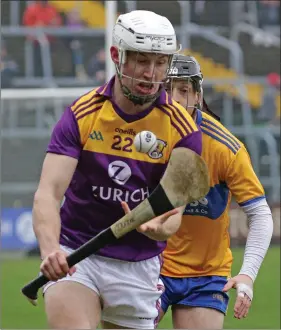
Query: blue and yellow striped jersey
[201, 247]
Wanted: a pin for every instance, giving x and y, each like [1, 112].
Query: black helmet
[186, 67]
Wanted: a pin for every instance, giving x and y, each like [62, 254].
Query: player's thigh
[73, 301]
[185, 317]
[71, 305]
[131, 293]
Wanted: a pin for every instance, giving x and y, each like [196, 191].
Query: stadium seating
[213, 59]
[92, 12]
[210, 68]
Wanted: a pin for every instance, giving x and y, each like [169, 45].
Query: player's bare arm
[56, 174]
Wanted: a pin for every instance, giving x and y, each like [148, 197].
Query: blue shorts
[204, 291]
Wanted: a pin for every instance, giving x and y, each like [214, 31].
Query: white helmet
[143, 31]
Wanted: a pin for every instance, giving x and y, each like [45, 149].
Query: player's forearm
[160, 235]
[46, 222]
[171, 226]
[259, 237]
[168, 228]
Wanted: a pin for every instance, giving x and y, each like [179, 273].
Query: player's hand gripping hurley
[184, 181]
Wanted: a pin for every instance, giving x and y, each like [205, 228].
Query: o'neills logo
[129, 131]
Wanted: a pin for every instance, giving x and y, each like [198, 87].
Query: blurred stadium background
[52, 52]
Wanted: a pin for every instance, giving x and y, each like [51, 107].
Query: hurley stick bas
[184, 181]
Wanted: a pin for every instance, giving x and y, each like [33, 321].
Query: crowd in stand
[41, 13]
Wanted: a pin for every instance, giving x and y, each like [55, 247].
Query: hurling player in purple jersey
[92, 166]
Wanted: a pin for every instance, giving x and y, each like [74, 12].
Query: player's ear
[114, 54]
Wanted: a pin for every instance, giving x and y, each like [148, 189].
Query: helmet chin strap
[139, 100]
[136, 99]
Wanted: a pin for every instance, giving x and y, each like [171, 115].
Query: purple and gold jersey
[110, 170]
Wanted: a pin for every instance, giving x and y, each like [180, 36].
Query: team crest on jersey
[157, 151]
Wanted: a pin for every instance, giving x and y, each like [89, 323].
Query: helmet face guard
[186, 68]
[127, 90]
[143, 32]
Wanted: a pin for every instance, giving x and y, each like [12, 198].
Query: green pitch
[17, 313]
